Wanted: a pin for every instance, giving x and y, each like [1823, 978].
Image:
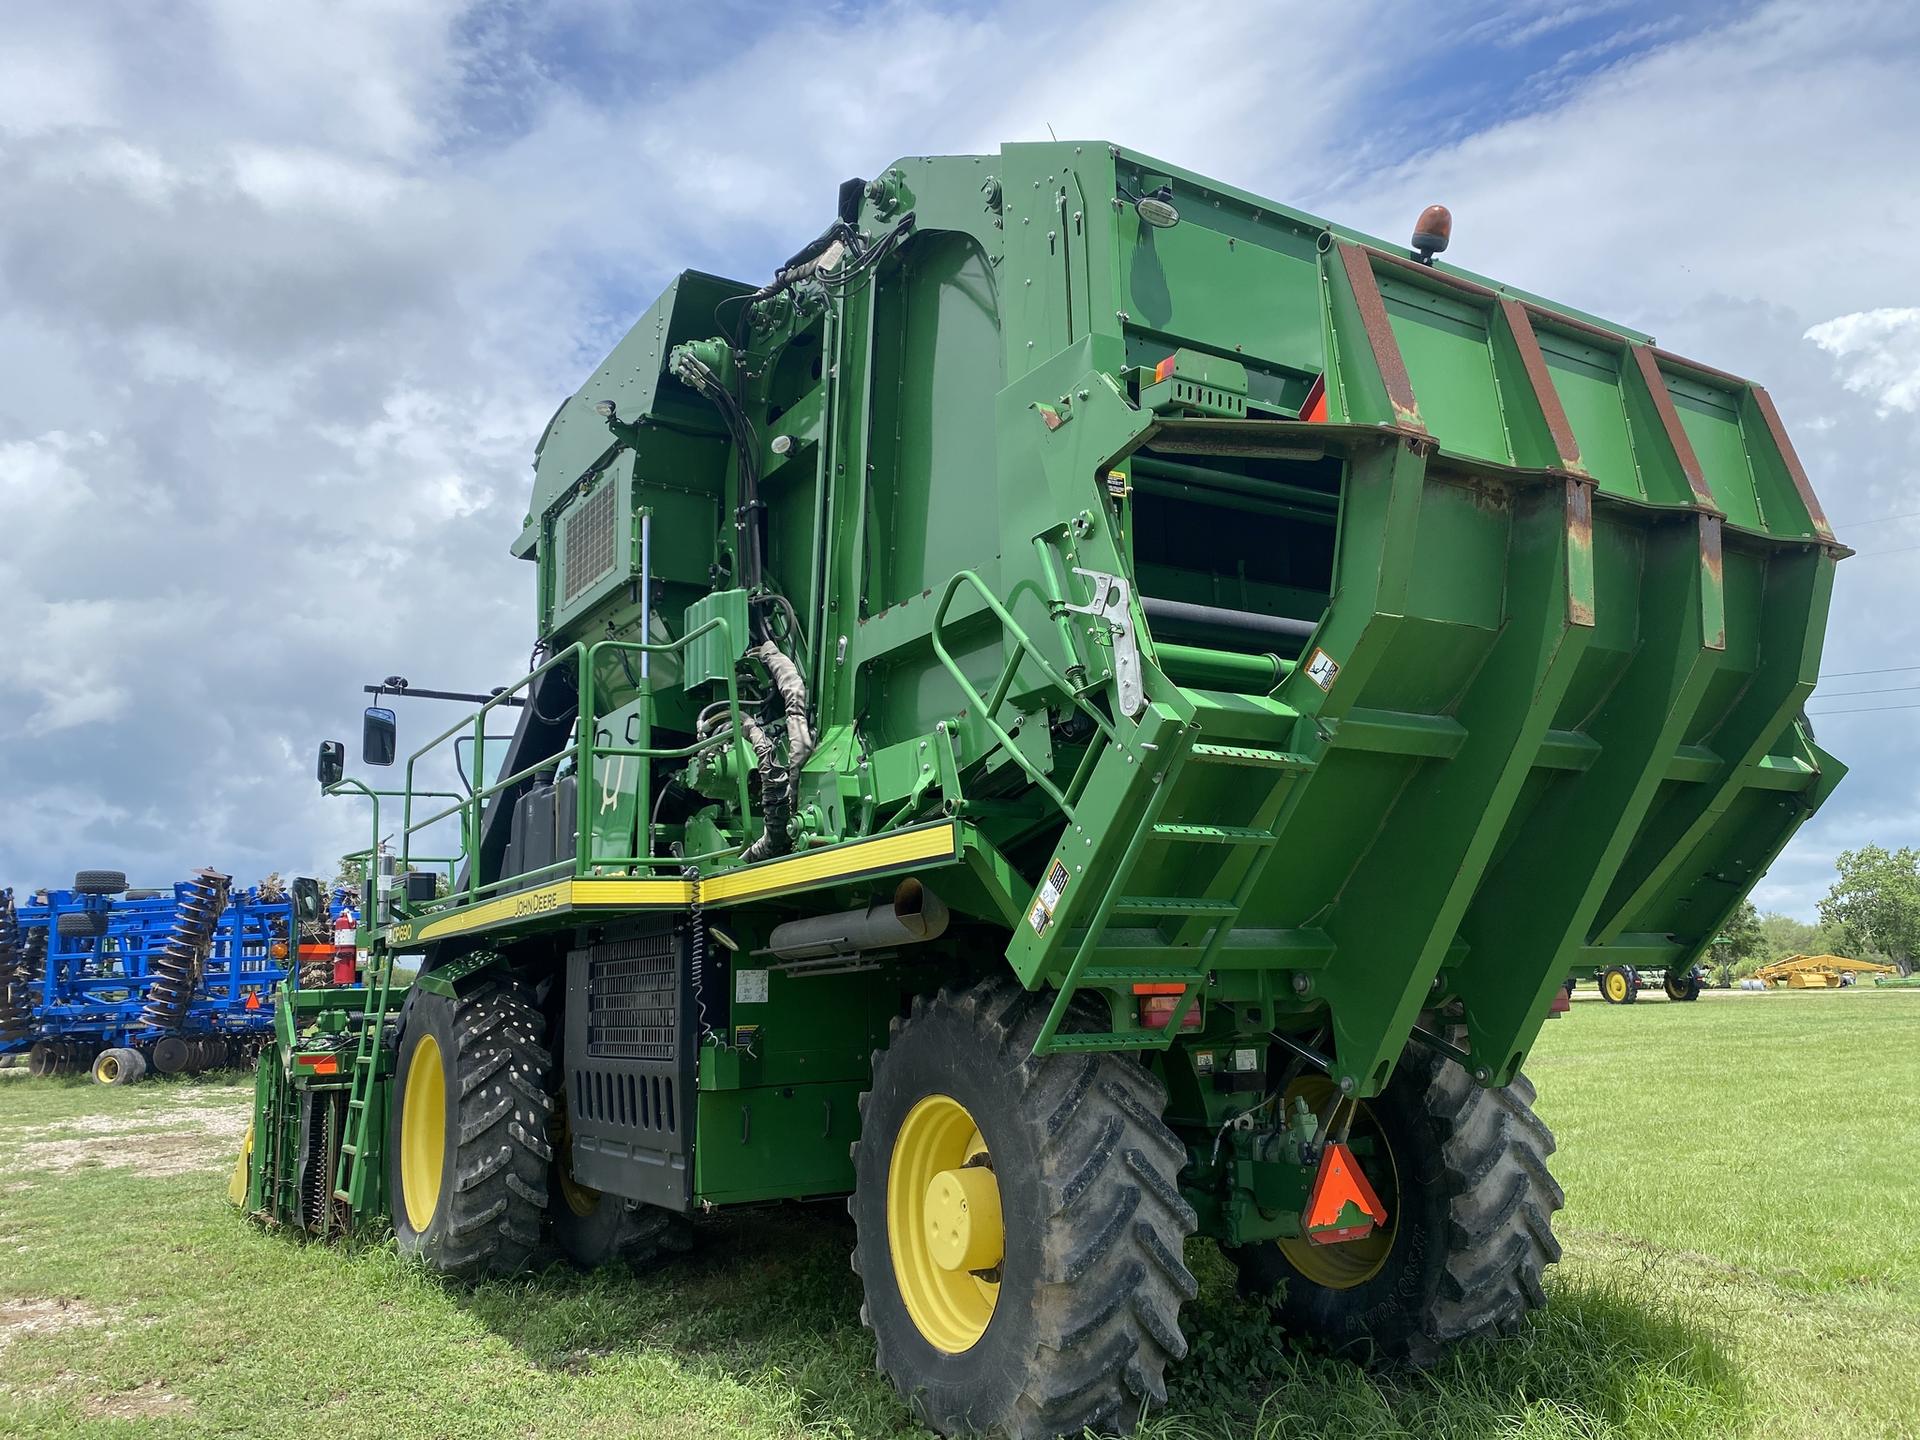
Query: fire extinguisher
[345, 955]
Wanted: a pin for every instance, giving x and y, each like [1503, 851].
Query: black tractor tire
[99, 882]
[1473, 1232]
[1683, 987]
[593, 1228]
[118, 1066]
[613, 1228]
[1086, 1316]
[477, 1210]
[1619, 985]
[81, 924]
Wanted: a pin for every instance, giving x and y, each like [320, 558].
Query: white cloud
[1879, 351]
[286, 293]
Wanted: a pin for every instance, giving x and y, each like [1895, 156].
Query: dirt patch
[159, 1152]
[43, 1317]
[173, 1142]
[146, 1402]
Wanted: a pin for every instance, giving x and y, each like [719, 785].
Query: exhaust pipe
[915, 914]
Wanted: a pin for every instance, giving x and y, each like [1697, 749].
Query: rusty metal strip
[1428, 273]
[1538, 376]
[1656, 384]
[1791, 459]
[1681, 362]
[1713, 596]
[1579, 550]
[1387, 358]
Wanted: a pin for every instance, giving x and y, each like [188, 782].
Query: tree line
[1871, 912]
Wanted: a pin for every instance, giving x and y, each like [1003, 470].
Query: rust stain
[1791, 459]
[1379, 330]
[1656, 384]
[1580, 543]
[1714, 563]
[1520, 326]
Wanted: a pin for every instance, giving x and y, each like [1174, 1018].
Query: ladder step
[1172, 905]
[1142, 1040]
[1214, 834]
[1249, 756]
[1134, 975]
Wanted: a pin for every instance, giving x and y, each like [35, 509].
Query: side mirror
[333, 763]
[379, 736]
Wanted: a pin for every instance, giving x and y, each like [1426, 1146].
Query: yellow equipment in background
[1818, 972]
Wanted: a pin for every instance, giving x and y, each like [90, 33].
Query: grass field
[1742, 1258]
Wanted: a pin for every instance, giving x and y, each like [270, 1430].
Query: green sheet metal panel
[1711, 418]
[1444, 341]
[1587, 379]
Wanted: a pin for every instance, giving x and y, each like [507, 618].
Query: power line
[1890, 670]
[1849, 694]
[1877, 520]
[1864, 710]
[1896, 550]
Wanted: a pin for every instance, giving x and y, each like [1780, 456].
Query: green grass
[1742, 1238]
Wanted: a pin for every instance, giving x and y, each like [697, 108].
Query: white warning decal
[1048, 900]
[1321, 669]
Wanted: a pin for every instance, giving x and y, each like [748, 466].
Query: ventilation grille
[632, 1000]
[633, 1102]
[588, 554]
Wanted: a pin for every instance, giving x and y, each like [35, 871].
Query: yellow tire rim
[1352, 1262]
[106, 1069]
[1616, 986]
[944, 1228]
[423, 1134]
[582, 1200]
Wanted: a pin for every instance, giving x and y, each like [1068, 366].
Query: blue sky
[287, 291]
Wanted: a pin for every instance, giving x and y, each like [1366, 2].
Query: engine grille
[587, 549]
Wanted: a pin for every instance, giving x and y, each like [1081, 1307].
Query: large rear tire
[1019, 1228]
[1463, 1174]
[467, 1148]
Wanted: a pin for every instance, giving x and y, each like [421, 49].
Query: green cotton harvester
[1092, 710]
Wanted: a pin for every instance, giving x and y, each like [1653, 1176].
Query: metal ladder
[1248, 846]
[352, 1180]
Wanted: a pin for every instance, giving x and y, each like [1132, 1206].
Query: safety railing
[1020, 648]
[586, 752]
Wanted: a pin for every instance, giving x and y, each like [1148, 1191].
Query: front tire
[467, 1149]
[1468, 1236]
[1019, 1228]
[1683, 987]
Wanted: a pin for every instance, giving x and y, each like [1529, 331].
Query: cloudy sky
[288, 289]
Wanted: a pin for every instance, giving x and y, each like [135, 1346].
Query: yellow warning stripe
[795, 872]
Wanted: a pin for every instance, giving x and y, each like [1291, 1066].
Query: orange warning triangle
[1340, 1184]
[1314, 407]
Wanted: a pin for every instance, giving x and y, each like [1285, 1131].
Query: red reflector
[1562, 1002]
[320, 1064]
[1163, 369]
[1314, 407]
[1157, 1009]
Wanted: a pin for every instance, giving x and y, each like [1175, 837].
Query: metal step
[1135, 975]
[1172, 905]
[1214, 834]
[1247, 757]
